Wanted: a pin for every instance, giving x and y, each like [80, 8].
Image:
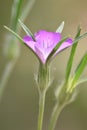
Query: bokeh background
[19, 105]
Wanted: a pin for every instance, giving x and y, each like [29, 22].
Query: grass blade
[80, 37]
[71, 57]
[80, 68]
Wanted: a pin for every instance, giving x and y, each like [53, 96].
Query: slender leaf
[80, 37]
[80, 68]
[71, 57]
[59, 44]
[81, 81]
[57, 47]
[19, 38]
[14, 33]
[60, 28]
[27, 31]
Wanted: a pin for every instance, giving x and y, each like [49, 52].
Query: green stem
[10, 65]
[62, 99]
[55, 115]
[41, 109]
[5, 76]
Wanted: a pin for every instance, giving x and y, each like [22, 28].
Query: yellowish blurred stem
[6, 74]
[55, 115]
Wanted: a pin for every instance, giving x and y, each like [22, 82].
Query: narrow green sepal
[80, 68]
[80, 37]
[60, 28]
[15, 34]
[71, 57]
[26, 29]
[56, 48]
[59, 44]
[81, 81]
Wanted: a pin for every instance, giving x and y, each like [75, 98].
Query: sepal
[26, 29]
[56, 48]
[60, 28]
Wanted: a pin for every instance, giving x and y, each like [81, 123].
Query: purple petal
[46, 41]
[29, 42]
[64, 45]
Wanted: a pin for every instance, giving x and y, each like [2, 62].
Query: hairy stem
[41, 110]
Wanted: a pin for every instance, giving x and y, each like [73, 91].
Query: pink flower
[44, 44]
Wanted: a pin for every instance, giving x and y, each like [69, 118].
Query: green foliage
[80, 68]
[14, 34]
[27, 30]
[71, 57]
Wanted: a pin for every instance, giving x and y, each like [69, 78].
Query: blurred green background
[19, 106]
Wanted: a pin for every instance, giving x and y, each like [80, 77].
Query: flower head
[44, 44]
